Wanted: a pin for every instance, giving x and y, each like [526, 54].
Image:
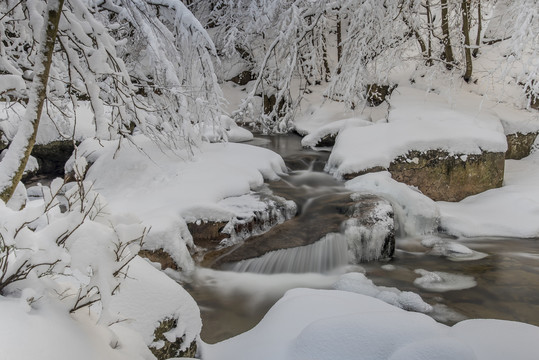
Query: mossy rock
[519, 145]
[447, 177]
[170, 349]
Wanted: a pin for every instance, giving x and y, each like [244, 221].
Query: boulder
[449, 177]
[354, 217]
[52, 157]
[519, 145]
[243, 78]
[211, 235]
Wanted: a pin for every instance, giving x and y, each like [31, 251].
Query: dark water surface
[507, 278]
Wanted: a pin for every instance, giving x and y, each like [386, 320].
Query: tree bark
[448, 51]
[339, 43]
[479, 29]
[13, 165]
[465, 5]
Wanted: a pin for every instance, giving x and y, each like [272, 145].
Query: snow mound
[359, 284]
[333, 128]
[511, 210]
[227, 130]
[451, 249]
[441, 281]
[164, 187]
[415, 213]
[148, 296]
[330, 324]
[361, 148]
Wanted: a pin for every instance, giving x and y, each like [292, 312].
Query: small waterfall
[326, 254]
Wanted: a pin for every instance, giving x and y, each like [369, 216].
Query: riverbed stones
[446, 177]
[519, 145]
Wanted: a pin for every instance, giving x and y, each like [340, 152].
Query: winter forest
[269, 179]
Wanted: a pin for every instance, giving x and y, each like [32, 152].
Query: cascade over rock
[360, 226]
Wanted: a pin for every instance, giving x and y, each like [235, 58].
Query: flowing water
[504, 284]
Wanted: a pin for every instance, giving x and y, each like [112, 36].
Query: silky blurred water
[507, 278]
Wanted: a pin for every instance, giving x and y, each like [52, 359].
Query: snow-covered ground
[331, 324]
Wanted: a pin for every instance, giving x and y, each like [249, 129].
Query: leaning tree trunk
[466, 32]
[448, 51]
[13, 165]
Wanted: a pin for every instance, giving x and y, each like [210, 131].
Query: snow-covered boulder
[325, 135]
[159, 309]
[445, 152]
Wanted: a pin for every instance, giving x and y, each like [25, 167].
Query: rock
[209, 236]
[377, 94]
[52, 157]
[160, 256]
[333, 213]
[3, 141]
[445, 177]
[243, 78]
[372, 231]
[519, 145]
[170, 349]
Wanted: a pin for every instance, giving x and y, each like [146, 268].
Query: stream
[501, 285]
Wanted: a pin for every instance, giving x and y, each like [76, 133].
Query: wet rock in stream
[363, 223]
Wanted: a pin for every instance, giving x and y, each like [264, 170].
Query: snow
[331, 324]
[511, 210]
[450, 249]
[415, 214]
[148, 296]
[439, 281]
[232, 132]
[47, 332]
[166, 187]
[11, 82]
[332, 128]
[416, 122]
[359, 284]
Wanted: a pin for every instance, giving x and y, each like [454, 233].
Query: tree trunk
[479, 29]
[448, 51]
[429, 33]
[466, 32]
[339, 43]
[13, 165]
